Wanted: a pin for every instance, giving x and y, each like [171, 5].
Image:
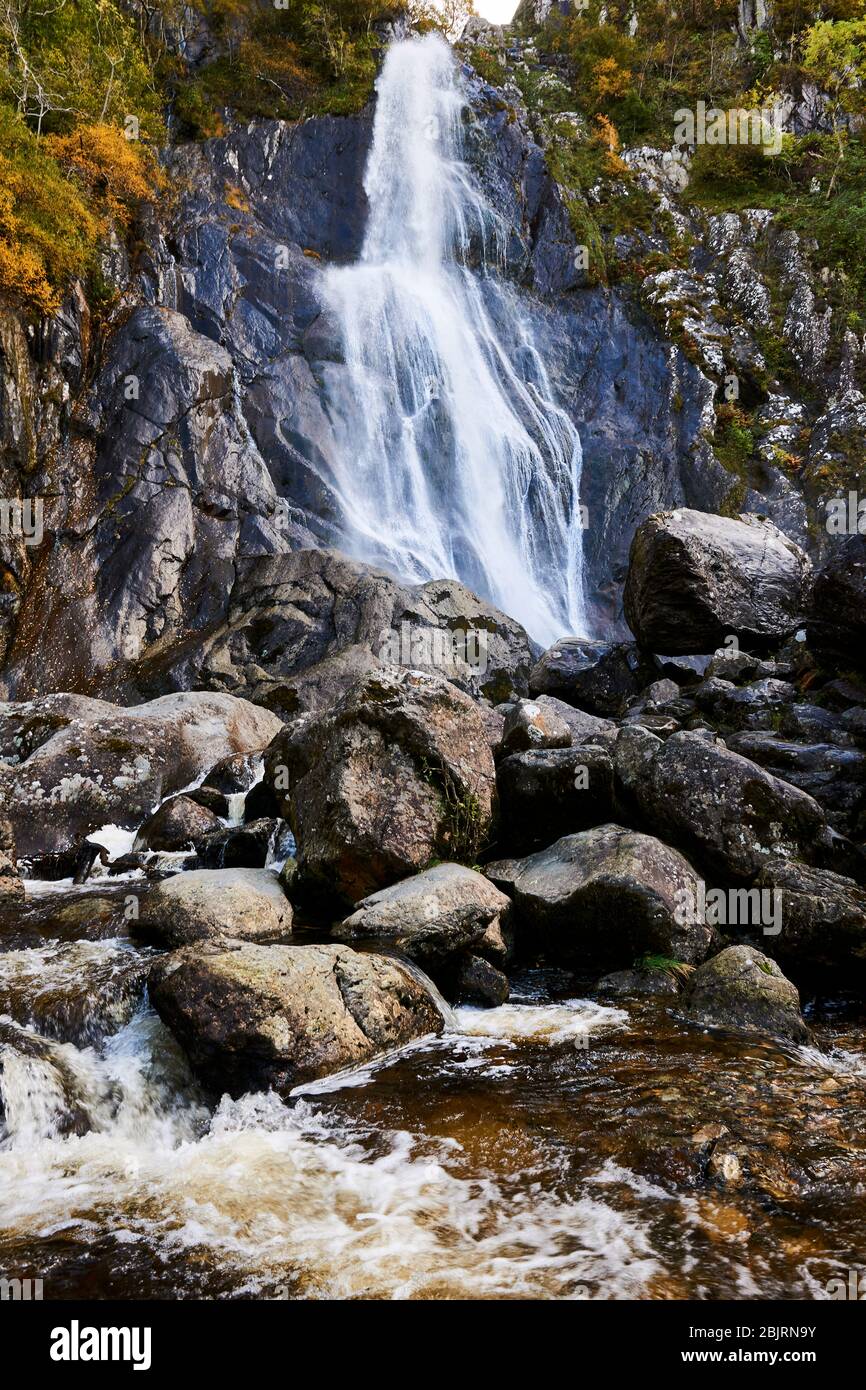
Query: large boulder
[271, 1017]
[601, 677]
[399, 773]
[742, 988]
[823, 922]
[722, 807]
[837, 617]
[69, 764]
[246, 904]
[301, 628]
[549, 792]
[430, 917]
[695, 578]
[606, 896]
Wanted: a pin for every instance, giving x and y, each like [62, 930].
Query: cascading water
[453, 458]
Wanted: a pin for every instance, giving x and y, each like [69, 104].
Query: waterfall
[453, 459]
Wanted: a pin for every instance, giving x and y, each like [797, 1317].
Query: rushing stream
[454, 459]
[552, 1148]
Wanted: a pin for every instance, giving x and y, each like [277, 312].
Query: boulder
[600, 677]
[533, 724]
[837, 619]
[834, 775]
[742, 988]
[606, 896]
[695, 579]
[479, 982]
[246, 904]
[302, 627]
[550, 723]
[757, 705]
[234, 774]
[550, 792]
[724, 808]
[430, 917]
[257, 1018]
[177, 824]
[823, 920]
[399, 773]
[69, 764]
[638, 983]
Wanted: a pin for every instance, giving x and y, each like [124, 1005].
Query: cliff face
[192, 433]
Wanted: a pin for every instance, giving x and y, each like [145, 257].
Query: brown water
[554, 1148]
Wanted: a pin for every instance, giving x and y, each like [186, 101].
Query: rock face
[733, 814]
[245, 904]
[742, 988]
[430, 917]
[694, 579]
[399, 773]
[837, 621]
[259, 1017]
[606, 896]
[69, 764]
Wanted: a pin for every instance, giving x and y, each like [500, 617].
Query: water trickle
[453, 457]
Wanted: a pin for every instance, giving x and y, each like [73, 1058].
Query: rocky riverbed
[550, 991]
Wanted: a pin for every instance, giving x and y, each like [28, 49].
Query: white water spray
[453, 458]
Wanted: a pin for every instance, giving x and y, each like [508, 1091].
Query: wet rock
[430, 917]
[236, 773]
[743, 988]
[30, 1067]
[245, 846]
[600, 677]
[550, 792]
[214, 801]
[178, 824]
[399, 773]
[479, 982]
[837, 620]
[75, 991]
[246, 904]
[271, 1017]
[606, 896]
[823, 921]
[731, 813]
[69, 764]
[632, 984]
[695, 579]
